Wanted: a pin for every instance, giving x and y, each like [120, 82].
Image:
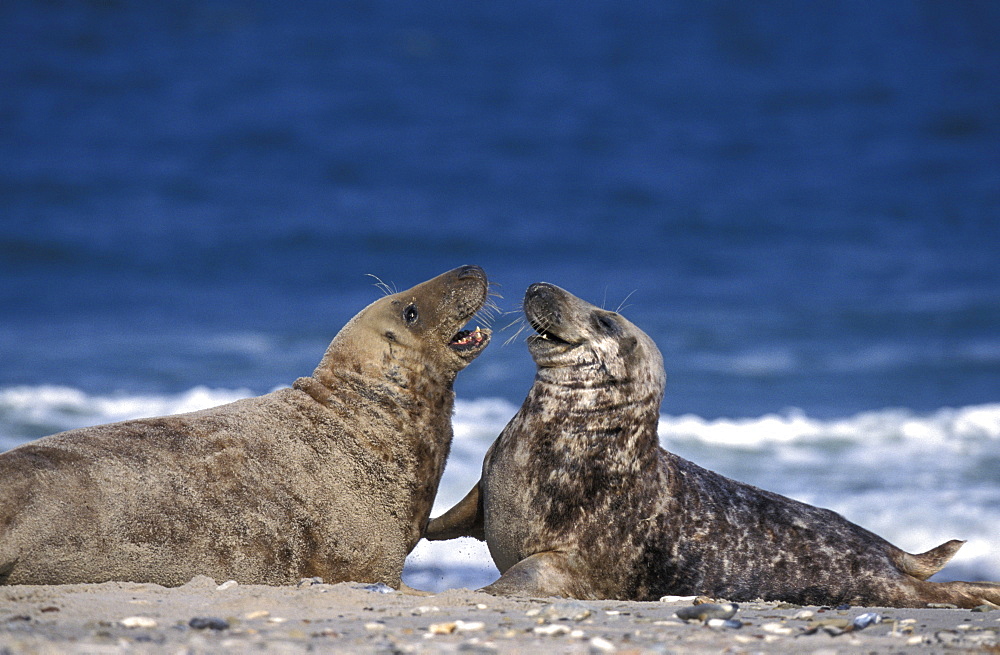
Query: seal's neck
[410, 397]
[396, 368]
[400, 411]
[614, 420]
[597, 396]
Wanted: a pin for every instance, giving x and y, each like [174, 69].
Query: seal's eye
[410, 314]
[607, 324]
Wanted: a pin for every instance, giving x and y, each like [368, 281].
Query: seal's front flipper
[465, 519]
[540, 576]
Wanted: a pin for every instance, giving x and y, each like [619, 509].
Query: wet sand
[203, 616]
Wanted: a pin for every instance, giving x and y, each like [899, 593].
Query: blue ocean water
[800, 202]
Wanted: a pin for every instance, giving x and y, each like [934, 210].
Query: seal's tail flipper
[965, 595]
[925, 565]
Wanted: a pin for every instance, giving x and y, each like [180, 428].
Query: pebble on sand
[707, 611]
[208, 623]
[138, 622]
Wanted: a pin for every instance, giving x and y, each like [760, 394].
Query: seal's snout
[537, 287]
[539, 290]
[543, 307]
[541, 299]
[471, 290]
[470, 271]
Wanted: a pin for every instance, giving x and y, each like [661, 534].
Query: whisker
[520, 329]
[489, 310]
[622, 304]
[382, 286]
[492, 306]
[545, 322]
[519, 319]
[487, 314]
[484, 316]
[514, 336]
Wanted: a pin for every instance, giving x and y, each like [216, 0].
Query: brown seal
[577, 499]
[334, 477]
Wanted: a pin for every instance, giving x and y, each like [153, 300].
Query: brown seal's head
[579, 343]
[417, 332]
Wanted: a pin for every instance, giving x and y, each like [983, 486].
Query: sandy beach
[203, 616]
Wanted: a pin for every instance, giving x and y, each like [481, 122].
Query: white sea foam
[28, 412]
[916, 479]
[943, 426]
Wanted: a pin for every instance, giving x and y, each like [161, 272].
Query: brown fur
[577, 499]
[334, 477]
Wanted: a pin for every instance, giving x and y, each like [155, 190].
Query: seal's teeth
[469, 338]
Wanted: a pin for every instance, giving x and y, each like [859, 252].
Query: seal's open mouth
[467, 341]
[545, 333]
[550, 336]
[545, 346]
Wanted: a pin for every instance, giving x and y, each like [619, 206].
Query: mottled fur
[577, 499]
[334, 477]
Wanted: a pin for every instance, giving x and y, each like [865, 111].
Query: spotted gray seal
[334, 477]
[577, 499]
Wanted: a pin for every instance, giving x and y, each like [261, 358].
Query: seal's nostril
[471, 270]
[538, 289]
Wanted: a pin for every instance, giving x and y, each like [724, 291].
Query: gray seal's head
[583, 346]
